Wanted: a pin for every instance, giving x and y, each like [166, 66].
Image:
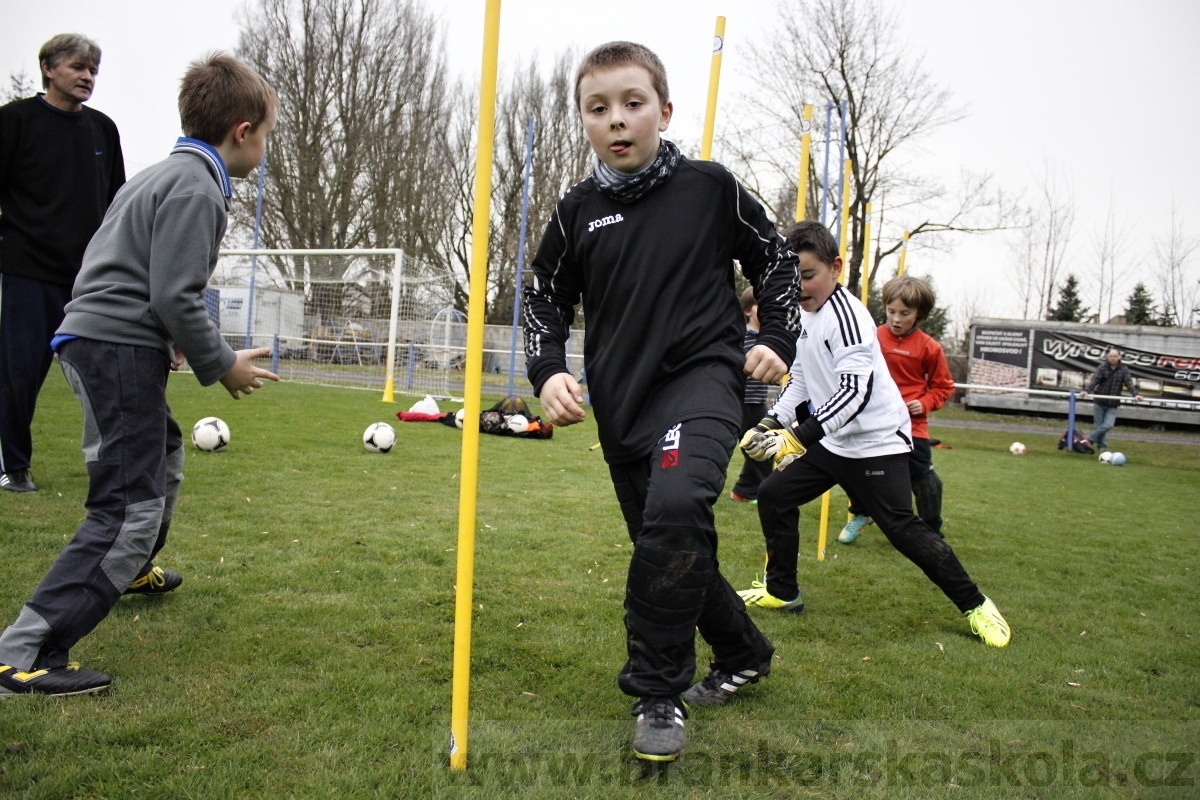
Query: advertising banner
[1067, 361]
[1058, 360]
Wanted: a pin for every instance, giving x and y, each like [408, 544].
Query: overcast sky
[1102, 91]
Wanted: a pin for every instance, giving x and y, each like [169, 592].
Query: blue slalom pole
[843, 112]
[1071, 421]
[512, 349]
[262, 177]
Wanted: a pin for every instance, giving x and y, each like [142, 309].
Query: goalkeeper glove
[769, 439]
[789, 450]
[755, 439]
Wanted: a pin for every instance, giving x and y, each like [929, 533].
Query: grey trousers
[133, 449]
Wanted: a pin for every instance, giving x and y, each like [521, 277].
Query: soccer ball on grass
[379, 437]
[1106, 457]
[1017, 449]
[1118, 459]
[210, 434]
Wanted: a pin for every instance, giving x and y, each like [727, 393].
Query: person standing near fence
[1112, 378]
[60, 166]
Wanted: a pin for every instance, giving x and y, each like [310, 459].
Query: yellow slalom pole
[389, 384]
[714, 80]
[469, 483]
[805, 155]
[903, 254]
[864, 277]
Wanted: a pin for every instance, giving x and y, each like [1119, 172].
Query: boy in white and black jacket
[648, 243]
[841, 420]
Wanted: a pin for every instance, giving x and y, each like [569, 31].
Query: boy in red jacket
[918, 365]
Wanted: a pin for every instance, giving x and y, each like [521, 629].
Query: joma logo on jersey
[600, 223]
[670, 448]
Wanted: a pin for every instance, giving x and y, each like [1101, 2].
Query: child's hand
[243, 376]
[178, 362]
[764, 364]
[915, 408]
[562, 399]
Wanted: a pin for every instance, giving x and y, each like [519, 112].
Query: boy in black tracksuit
[648, 243]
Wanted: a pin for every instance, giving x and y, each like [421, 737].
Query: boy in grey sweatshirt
[136, 312]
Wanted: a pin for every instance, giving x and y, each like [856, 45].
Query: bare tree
[359, 155]
[1041, 246]
[1178, 285]
[20, 85]
[848, 50]
[1112, 271]
[560, 157]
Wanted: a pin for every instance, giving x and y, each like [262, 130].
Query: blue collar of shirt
[42, 96]
[209, 153]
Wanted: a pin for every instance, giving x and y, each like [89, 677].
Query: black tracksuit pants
[675, 585]
[880, 488]
[30, 313]
[134, 455]
[926, 485]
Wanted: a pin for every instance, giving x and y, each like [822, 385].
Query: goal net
[367, 319]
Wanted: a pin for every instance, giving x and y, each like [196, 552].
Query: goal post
[324, 312]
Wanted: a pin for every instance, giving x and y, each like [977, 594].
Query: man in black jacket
[1111, 379]
[60, 166]
[648, 243]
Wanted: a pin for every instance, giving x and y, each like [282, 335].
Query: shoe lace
[156, 578]
[714, 679]
[980, 620]
[658, 713]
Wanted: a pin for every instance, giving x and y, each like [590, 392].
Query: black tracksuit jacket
[656, 278]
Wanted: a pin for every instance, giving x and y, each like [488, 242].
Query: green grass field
[308, 652]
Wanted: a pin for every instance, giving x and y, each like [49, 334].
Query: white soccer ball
[210, 434]
[379, 437]
[458, 417]
[1106, 457]
[1118, 459]
[517, 423]
[1017, 449]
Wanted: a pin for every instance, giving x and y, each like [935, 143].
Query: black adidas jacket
[664, 325]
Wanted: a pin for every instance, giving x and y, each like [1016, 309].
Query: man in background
[1110, 380]
[60, 165]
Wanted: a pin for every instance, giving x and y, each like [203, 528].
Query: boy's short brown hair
[219, 92]
[64, 45]
[748, 301]
[813, 237]
[619, 54]
[912, 292]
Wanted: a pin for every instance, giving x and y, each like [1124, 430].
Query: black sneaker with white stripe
[17, 481]
[718, 687]
[659, 734]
